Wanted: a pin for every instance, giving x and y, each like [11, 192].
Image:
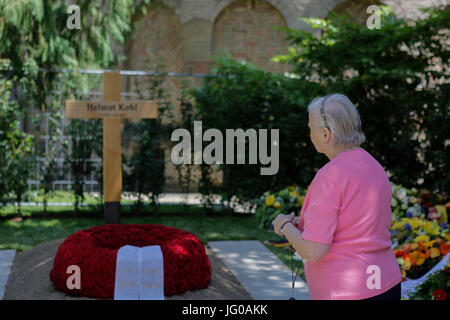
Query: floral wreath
[94, 251]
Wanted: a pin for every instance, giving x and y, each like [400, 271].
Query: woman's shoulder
[351, 159]
[330, 169]
[359, 166]
[326, 174]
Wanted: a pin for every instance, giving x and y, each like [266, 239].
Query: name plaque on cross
[100, 109]
[111, 110]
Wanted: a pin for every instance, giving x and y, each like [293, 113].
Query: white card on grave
[152, 273]
[139, 273]
[127, 274]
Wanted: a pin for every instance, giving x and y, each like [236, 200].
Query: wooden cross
[111, 110]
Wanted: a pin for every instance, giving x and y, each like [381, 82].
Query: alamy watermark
[214, 152]
[74, 280]
[374, 20]
[73, 21]
[374, 280]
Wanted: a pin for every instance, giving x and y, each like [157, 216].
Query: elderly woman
[343, 228]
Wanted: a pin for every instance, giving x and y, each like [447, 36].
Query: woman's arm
[310, 250]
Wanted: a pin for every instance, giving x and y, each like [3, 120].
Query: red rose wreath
[94, 250]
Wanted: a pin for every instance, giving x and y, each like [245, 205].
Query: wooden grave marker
[111, 110]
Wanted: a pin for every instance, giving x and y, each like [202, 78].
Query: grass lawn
[25, 234]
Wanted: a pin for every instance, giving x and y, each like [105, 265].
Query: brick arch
[157, 38]
[289, 9]
[157, 41]
[245, 30]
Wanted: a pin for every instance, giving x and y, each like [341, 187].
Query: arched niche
[246, 30]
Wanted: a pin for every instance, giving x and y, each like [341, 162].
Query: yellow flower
[414, 246]
[294, 193]
[434, 253]
[431, 228]
[277, 205]
[415, 223]
[429, 244]
[291, 188]
[420, 261]
[422, 238]
[407, 263]
[300, 200]
[447, 237]
[270, 200]
[398, 225]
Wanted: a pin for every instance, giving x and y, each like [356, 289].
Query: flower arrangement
[407, 229]
[94, 250]
[418, 257]
[417, 203]
[420, 237]
[284, 201]
[405, 200]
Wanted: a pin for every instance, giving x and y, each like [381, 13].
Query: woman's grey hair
[341, 117]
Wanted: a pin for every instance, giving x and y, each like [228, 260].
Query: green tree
[35, 33]
[35, 38]
[15, 147]
[187, 117]
[398, 78]
[145, 172]
[84, 137]
[243, 96]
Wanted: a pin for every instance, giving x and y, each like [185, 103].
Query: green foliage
[398, 78]
[187, 117]
[284, 201]
[147, 163]
[86, 136]
[405, 200]
[15, 148]
[34, 36]
[35, 31]
[51, 120]
[146, 167]
[439, 280]
[242, 96]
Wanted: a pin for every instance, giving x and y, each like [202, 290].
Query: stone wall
[247, 30]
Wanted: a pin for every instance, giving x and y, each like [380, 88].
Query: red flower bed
[94, 250]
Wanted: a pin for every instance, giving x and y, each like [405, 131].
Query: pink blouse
[348, 205]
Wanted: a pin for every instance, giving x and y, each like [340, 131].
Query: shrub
[146, 166]
[243, 96]
[15, 147]
[398, 78]
[436, 287]
[284, 201]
